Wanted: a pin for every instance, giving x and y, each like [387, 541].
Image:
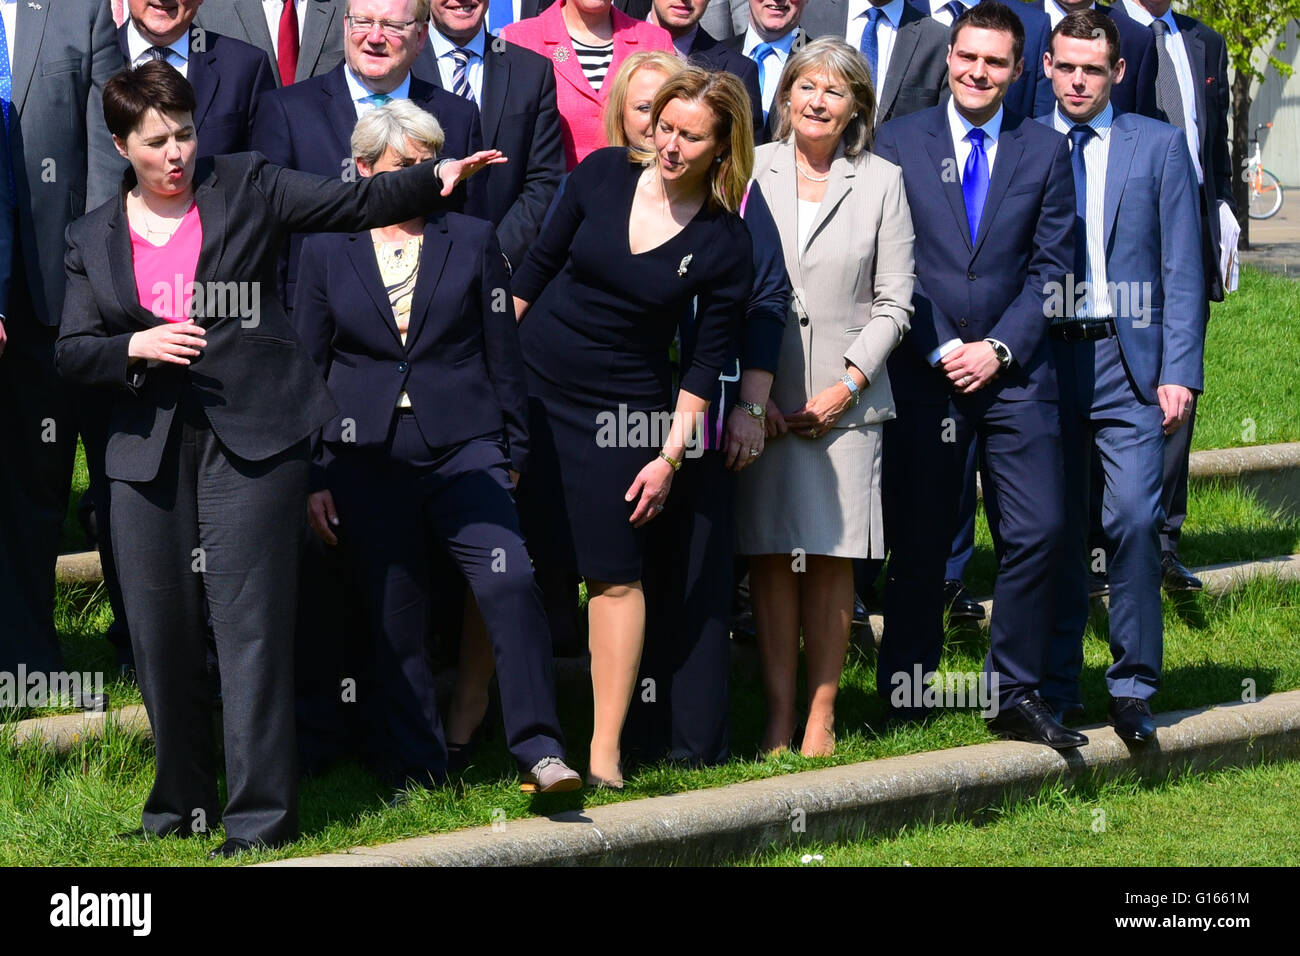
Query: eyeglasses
[391, 28]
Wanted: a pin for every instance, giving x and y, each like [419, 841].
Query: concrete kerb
[874, 797]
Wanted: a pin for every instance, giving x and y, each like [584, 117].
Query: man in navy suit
[992, 202]
[308, 126]
[1192, 93]
[1128, 348]
[228, 76]
[1031, 93]
[772, 35]
[514, 90]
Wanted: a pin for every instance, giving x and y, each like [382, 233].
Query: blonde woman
[632, 94]
[636, 237]
[846, 232]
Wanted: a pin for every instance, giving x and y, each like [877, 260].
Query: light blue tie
[377, 99]
[758, 55]
[869, 47]
[501, 13]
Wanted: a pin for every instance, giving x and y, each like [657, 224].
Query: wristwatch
[753, 410]
[855, 393]
[1001, 351]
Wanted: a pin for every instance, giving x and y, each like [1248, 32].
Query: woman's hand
[775, 421]
[820, 412]
[651, 484]
[170, 342]
[322, 516]
[456, 171]
[743, 439]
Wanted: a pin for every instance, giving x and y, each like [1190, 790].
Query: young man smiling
[992, 203]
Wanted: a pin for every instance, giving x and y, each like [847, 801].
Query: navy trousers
[1101, 414]
[925, 452]
[395, 508]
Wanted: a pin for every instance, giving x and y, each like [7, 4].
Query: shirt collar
[960, 126]
[893, 11]
[1143, 16]
[443, 47]
[937, 5]
[1101, 123]
[683, 44]
[136, 45]
[752, 39]
[360, 92]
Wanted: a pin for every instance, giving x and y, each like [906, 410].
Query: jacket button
[970, 274]
[402, 366]
[803, 320]
[962, 323]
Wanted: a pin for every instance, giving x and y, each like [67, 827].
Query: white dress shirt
[274, 9]
[772, 69]
[360, 94]
[943, 16]
[886, 33]
[1096, 151]
[9, 10]
[178, 53]
[443, 49]
[1183, 70]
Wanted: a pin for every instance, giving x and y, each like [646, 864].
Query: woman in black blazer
[412, 328]
[171, 302]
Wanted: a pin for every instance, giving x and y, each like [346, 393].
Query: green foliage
[1247, 26]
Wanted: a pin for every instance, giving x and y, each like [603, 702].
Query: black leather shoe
[961, 606]
[1175, 575]
[1131, 717]
[1032, 720]
[232, 847]
[860, 613]
[1098, 585]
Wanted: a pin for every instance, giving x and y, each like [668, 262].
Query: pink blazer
[580, 106]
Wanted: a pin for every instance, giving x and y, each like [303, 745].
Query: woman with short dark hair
[171, 303]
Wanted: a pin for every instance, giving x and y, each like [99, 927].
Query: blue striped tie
[460, 74]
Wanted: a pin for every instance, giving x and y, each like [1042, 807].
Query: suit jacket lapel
[939, 146]
[342, 112]
[361, 253]
[320, 21]
[1010, 149]
[558, 48]
[842, 174]
[1195, 47]
[212, 215]
[433, 256]
[205, 78]
[496, 80]
[784, 204]
[905, 43]
[30, 25]
[1119, 156]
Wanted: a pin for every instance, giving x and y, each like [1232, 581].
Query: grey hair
[392, 125]
[833, 56]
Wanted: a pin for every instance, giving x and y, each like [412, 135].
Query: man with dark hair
[1192, 93]
[1136, 92]
[1031, 93]
[992, 202]
[55, 60]
[1127, 332]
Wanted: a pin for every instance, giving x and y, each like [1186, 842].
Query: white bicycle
[1264, 188]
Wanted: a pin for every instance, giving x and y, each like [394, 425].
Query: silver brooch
[684, 264]
[561, 54]
[34, 6]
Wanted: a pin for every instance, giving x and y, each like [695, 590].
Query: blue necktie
[955, 8]
[501, 13]
[1079, 135]
[6, 78]
[758, 55]
[975, 181]
[869, 47]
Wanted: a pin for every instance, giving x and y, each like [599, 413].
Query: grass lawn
[1238, 817]
[64, 809]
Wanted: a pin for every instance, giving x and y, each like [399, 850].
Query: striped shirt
[595, 61]
[1097, 304]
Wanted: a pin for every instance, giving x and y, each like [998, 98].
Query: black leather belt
[1086, 330]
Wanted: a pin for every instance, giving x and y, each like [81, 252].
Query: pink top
[164, 275]
[580, 106]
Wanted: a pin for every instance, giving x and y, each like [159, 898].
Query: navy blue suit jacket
[308, 126]
[1153, 254]
[994, 287]
[712, 54]
[229, 78]
[461, 363]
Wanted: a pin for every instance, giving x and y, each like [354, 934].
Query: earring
[717, 159]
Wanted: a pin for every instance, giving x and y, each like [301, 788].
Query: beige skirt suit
[852, 285]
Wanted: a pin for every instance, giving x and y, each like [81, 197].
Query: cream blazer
[852, 282]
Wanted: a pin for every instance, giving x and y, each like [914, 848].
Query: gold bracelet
[676, 465]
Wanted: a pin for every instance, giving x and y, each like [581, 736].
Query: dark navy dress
[596, 345]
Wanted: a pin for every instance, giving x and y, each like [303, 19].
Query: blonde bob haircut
[838, 60]
[725, 96]
[658, 60]
[393, 125]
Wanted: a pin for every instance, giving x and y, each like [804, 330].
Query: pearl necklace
[811, 178]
